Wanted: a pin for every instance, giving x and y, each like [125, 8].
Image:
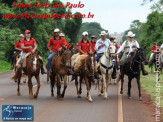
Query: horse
[16, 64]
[132, 69]
[60, 66]
[152, 62]
[33, 66]
[105, 69]
[84, 68]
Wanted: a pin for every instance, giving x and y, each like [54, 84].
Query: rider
[28, 44]
[154, 49]
[129, 46]
[17, 50]
[84, 44]
[101, 45]
[55, 44]
[93, 43]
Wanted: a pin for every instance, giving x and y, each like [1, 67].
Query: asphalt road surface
[72, 109]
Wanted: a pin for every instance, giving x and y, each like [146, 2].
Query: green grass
[4, 66]
[148, 83]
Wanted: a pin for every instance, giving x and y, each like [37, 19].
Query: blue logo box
[17, 112]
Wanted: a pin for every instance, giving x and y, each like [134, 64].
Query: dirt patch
[150, 106]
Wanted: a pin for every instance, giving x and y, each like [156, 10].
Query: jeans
[22, 60]
[50, 57]
[99, 55]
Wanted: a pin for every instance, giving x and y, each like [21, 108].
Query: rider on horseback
[28, 44]
[17, 50]
[153, 49]
[93, 43]
[55, 44]
[101, 45]
[129, 47]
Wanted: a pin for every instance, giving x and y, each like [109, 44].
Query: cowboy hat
[21, 35]
[130, 34]
[103, 33]
[93, 36]
[57, 30]
[85, 33]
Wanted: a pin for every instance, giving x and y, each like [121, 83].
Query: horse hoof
[31, 97]
[35, 96]
[106, 98]
[140, 98]
[129, 97]
[90, 100]
[102, 91]
[121, 92]
[52, 95]
[79, 96]
[18, 94]
[99, 94]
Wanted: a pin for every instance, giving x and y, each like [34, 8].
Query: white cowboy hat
[61, 34]
[85, 33]
[21, 35]
[103, 33]
[57, 30]
[130, 34]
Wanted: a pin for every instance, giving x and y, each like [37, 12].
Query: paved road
[73, 109]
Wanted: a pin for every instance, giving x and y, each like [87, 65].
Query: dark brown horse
[33, 66]
[85, 72]
[60, 66]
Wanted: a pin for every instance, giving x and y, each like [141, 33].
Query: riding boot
[43, 70]
[143, 70]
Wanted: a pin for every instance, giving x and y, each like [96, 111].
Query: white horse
[105, 66]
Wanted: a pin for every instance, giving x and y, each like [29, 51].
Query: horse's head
[35, 58]
[111, 50]
[141, 54]
[67, 54]
[91, 64]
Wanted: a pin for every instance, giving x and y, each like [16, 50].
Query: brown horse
[33, 66]
[16, 64]
[60, 66]
[84, 68]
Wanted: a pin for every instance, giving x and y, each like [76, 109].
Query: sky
[113, 15]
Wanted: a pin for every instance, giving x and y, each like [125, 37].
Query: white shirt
[130, 44]
[104, 48]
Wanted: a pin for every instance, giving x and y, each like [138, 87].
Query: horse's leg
[80, 88]
[102, 85]
[98, 87]
[110, 80]
[30, 86]
[77, 89]
[88, 89]
[18, 89]
[105, 87]
[52, 81]
[122, 80]
[65, 86]
[139, 87]
[129, 87]
[38, 86]
[58, 86]
[25, 78]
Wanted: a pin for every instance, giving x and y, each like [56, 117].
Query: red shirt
[18, 44]
[56, 44]
[117, 46]
[84, 46]
[93, 46]
[154, 48]
[28, 43]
